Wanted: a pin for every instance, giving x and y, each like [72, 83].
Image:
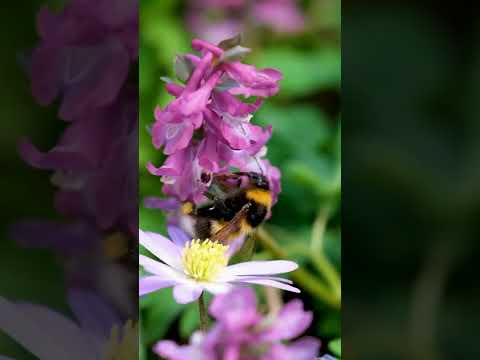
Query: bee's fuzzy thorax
[260, 196]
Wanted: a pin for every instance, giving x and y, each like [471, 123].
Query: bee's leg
[209, 195]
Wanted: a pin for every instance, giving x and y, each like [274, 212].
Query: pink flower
[241, 330]
[215, 20]
[253, 82]
[206, 129]
[281, 15]
[175, 125]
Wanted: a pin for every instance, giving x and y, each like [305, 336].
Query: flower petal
[237, 309]
[159, 269]
[186, 293]
[178, 236]
[217, 288]
[290, 322]
[46, 333]
[306, 348]
[276, 278]
[92, 312]
[266, 282]
[261, 267]
[148, 284]
[168, 204]
[161, 247]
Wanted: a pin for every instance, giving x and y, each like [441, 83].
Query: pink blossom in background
[280, 15]
[241, 332]
[215, 20]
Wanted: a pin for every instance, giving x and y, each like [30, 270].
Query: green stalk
[203, 314]
[306, 280]
[318, 257]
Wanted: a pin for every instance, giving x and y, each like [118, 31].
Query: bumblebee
[238, 203]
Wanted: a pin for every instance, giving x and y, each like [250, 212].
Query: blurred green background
[306, 146]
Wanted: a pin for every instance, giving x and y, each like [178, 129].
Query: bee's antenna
[259, 166]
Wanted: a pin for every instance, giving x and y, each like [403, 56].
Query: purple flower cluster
[83, 57]
[242, 333]
[206, 129]
[84, 54]
[230, 17]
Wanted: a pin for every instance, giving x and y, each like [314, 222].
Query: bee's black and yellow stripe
[213, 217]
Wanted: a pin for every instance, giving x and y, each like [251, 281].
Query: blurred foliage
[306, 146]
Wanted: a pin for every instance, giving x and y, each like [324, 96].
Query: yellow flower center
[123, 343]
[203, 260]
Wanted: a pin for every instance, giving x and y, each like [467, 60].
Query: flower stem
[304, 278]
[274, 300]
[203, 314]
[318, 257]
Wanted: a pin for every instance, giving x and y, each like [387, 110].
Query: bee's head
[259, 180]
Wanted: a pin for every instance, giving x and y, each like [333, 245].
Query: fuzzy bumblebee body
[239, 212]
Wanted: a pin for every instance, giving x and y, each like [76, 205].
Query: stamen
[203, 260]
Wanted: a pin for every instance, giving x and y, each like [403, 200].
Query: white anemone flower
[192, 266]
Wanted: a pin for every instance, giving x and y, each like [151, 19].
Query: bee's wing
[245, 253]
[232, 226]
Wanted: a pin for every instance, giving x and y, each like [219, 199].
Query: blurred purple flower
[84, 54]
[283, 16]
[87, 257]
[95, 164]
[242, 333]
[96, 332]
[206, 129]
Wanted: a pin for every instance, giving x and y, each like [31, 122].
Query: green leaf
[292, 123]
[316, 173]
[304, 72]
[335, 346]
[329, 325]
[159, 311]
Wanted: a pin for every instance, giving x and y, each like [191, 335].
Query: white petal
[261, 267]
[272, 283]
[157, 268]
[186, 293]
[162, 248]
[217, 288]
[148, 284]
[276, 278]
[45, 333]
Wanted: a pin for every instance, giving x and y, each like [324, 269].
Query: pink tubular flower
[207, 129]
[182, 175]
[251, 81]
[242, 333]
